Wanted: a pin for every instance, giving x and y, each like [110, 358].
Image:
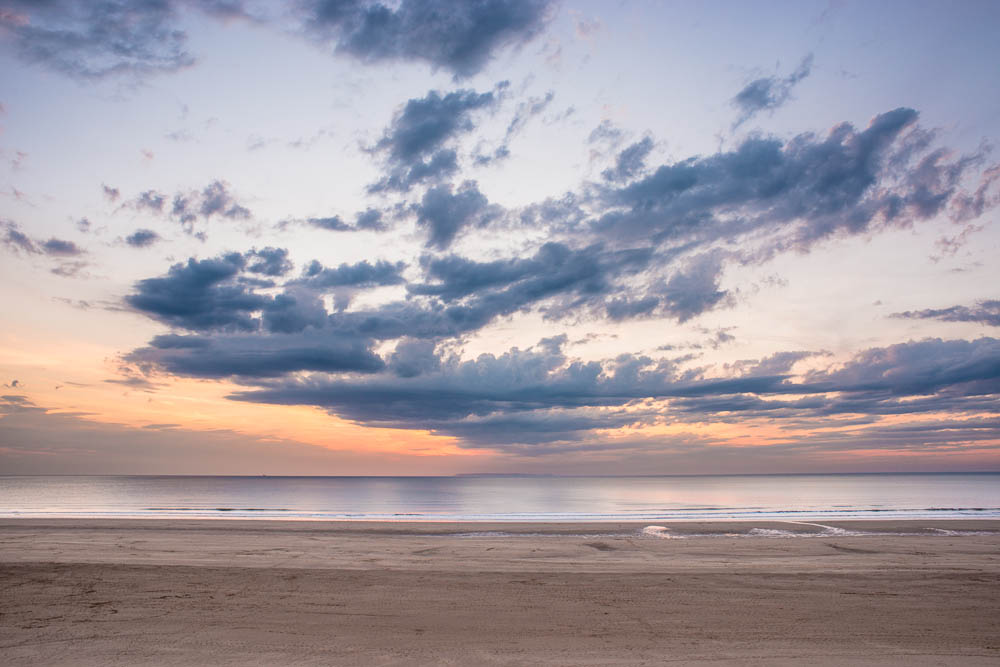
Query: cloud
[984, 312]
[215, 200]
[413, 357]
[644, 241]
[695, 289]
[629, 161]
[403, 177]
[60, 248]
[445, 212]
[69, 269]
[478, 292]
[788, 194]
[769, 93]
[540, 395]
[102, 39]
[333, 224]
[294, 310]
[526, 110]
[150, 200]
[41, 441]
[256, 356]
[918, 368]
[142, 238]
[269, 261]
[360, 274]
[414, 143]
[99, 38]
[17, 240]
[605, 133]
[461, 36]
[219, 293]
[200, 295]
[133, 380]
[368, 220]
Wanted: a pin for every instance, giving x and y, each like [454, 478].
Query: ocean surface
[508, 498]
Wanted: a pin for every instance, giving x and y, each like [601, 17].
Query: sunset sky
[341, 237]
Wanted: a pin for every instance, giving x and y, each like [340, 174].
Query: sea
[509, 498]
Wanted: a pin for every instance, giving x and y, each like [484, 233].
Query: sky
[342, 237]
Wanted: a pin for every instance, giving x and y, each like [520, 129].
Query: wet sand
[166, 592]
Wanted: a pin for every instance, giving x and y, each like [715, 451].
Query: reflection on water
[789, 497]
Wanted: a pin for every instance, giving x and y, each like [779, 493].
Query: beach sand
[169, 592]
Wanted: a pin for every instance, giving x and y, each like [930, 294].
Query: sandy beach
[170, 592]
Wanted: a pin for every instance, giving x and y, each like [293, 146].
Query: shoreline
[720, 527]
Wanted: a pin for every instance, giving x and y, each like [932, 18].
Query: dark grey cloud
[403, 177]
[458, 35]
[984, 312]
[414, 144]
[368, 220]
[220, 293]
[142, 238]
[112, 194]
[201, 295]
[150, 200]
[918, 368]
[567, 279]
[269, 261]
[643, 242]
[445, 212]
[768, 93]
[98, 38]
[913, 378]
[17, 240]
[425, 124]
[213, 201]
[789, 194]
[333, 223]
[256, 356]
[413, 357]
[528, 396]
[60, 248]
[217, 200]
[630, 161]
[540, 395]
[295, 310]
[694, 289]
[564, 281]
[360, 274]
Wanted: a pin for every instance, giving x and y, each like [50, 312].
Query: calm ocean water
[503, 498]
